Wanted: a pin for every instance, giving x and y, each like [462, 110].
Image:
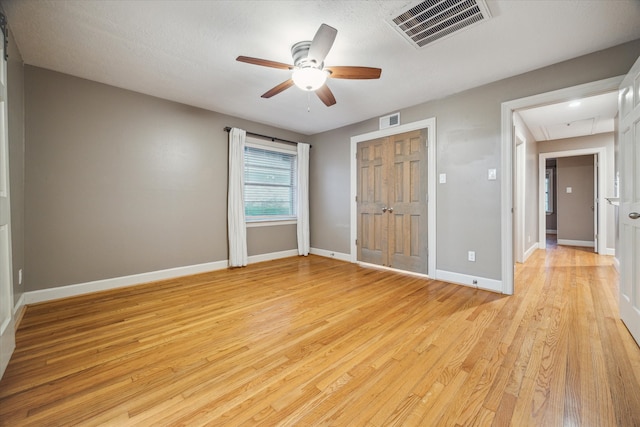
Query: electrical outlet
[472, 256]
[443, 178]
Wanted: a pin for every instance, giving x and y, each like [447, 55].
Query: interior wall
[575, 207]
[120, 183]
[15, 95]
[603, 140]
[468, 144]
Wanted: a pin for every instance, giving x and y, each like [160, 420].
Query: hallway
[577, 355]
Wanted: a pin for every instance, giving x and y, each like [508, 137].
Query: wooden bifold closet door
[391, 199]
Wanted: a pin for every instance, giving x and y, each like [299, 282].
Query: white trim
[552, 231]
[119, 282]
[18, 306]
[272, 255]
[430, 125]
[270, 223]
[506, 199]
[601, 152]
[616, 264]
[467, 280]
[581, 243]
[42, 295]
[330, 254]
[610, 252]
[530, 251]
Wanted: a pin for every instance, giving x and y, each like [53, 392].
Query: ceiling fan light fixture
[309, 78]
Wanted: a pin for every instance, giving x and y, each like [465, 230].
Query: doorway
[507, 154]
[569, 187]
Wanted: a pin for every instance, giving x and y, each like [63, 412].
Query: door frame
[599, 190]
[520, 189]
[430, 126]
[507, 144]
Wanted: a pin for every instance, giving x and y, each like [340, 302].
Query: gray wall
[468, 143]
[575, 209]
[603, 140]
[120, 183]
[15, 89]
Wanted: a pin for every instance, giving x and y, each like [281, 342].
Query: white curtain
[303, 199]
[235, 203]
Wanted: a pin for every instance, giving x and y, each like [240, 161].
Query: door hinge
[356, 242]
[356, 199]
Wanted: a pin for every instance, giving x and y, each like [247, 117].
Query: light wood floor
[314, 341]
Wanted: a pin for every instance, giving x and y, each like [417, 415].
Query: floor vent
[432, 20]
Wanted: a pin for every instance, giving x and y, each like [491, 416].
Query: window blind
[269, 184]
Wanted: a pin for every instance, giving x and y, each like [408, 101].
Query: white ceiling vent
[432, 20]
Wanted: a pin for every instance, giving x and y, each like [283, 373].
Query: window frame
[280, 148]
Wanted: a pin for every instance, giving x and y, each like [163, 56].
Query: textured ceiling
[185, 50]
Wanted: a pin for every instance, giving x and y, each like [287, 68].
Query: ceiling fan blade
[276, 90]
[264, 62]
[326, 96]
[354, 72]
[321, 43]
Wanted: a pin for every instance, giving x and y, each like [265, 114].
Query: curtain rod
[272, 138]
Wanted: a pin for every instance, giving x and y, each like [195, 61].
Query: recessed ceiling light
[574, 104]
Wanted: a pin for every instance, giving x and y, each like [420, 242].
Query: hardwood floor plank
[311, 341]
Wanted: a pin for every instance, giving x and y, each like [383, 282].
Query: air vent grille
[433, 20]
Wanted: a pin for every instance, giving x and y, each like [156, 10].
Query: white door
[7, 331]
[629, 137]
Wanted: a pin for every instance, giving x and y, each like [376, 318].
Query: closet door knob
[634, 215]
[384, 209]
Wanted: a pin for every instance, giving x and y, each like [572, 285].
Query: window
[270, 176]
[548, 191]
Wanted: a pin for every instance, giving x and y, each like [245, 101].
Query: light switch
[492, 175]
[443, 178]
[569, 189]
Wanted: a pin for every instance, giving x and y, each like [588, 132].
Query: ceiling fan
[309, 72]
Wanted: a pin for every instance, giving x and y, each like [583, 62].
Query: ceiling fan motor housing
[300, 53]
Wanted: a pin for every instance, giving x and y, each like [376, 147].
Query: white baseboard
[19, 305]
[331, 254]
[610, 251]
[530, 251]
[552, 231]
[33, 297]
[271, 256]
[467, 280]
[119, 282]
[581, 243]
